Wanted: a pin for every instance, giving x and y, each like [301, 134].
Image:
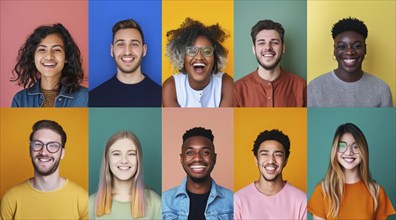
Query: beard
[269, 67]
[133, 68]
[45, 172]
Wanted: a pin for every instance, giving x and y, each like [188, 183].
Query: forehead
[268, 35]
[198, 142]
[128, 34]
[271, 145]
[347, 137]
[349, 36]
[46, 135]
[202, 41]
[123, 144]
[52, 39]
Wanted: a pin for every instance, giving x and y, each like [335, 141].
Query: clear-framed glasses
[194, 50]
[52, 146]
[342, 147]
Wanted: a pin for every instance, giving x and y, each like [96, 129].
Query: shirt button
[60, 99]
[269, 97]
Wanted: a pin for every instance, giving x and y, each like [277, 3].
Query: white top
[210, 96]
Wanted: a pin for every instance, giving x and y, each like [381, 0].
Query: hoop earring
[334, 58]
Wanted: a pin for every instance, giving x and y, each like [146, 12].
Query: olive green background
[377, 124]
[293, 17]
[144, 122]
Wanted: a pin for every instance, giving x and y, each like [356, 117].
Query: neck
[270, 188]
[130, 78]
[269, 75]
[347, 76]
[47, 183]
[199, 187]
[351, 176]
[198, 85]
[49, 83]
[122, 190]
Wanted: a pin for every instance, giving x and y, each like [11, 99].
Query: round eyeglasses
[52, 146]
[193, 51]
[342, 147]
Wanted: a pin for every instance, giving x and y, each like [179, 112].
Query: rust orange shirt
[356, 204]
[288, 90]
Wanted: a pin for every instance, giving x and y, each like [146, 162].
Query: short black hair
[51, 125]
[349, 24]
[126, 24]
[198, 131]
[274, 135]
[267, 25]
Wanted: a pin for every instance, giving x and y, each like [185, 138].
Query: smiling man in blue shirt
[198, 197]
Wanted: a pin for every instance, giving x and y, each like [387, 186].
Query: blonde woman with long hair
[122, 193]
[348, 190]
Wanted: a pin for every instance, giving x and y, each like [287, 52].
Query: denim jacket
[176, 203]
[33, 97]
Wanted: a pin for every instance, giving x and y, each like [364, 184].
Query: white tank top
[210, 96]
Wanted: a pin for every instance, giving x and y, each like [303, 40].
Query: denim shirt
[176, 203]
[33, 97]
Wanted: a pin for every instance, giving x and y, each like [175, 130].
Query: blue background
[102, 16]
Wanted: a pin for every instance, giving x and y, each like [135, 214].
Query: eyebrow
[56, 45]
[123, 40]
[277, 151]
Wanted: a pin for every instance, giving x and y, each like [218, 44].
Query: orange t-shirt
[356, 204]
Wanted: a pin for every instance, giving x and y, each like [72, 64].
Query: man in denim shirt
[198, 197]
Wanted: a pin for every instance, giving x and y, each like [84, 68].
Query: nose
[44, 150]
[349, 150]
[198, 157]
[124, 159]
[199, 55]
[271, 158]
[349, 50]
[49, 55]
[128, 49]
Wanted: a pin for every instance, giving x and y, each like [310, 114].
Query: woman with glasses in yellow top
[195, 50]
[348, 190]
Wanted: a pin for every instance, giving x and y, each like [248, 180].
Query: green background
[144, 122]
[293, 17]
[377, 124]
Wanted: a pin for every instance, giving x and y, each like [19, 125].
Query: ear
[256, 161]
[283, 48]
[63, 153]
[181, 158]
[215, 159]
[254, 50]
[111, 50]
[144, 49]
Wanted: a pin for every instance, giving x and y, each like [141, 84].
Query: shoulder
[108, 84]
[246, 79]
[170, 193]
[150, 83]
[227, 79]
[169, 83]
[76, 189]
[297, 193]
[321, 79]
[225, 192]
[294, 77]
[18, 190]
[376, 80]
[153, 195]
[245, 191]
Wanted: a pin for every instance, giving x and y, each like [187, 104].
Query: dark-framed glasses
[52, 146]
[343, 146]
[194, 50]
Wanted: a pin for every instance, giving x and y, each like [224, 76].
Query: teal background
[293, 17]
[144, 122]
[377, 124]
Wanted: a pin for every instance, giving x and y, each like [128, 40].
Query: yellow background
[16, 126]
[208, 12]
[379, 17]
[249, 122]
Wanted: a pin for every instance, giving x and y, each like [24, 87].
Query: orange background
[249, 122]
[176, 121]
[175, 12]
[16, 126]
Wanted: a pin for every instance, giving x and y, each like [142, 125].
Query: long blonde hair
[104, 195]
[333, 183]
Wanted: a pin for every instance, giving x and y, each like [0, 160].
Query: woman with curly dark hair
[196, 52]
[49, 69]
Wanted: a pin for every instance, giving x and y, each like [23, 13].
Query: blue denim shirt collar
[214, 191]
[35, 90]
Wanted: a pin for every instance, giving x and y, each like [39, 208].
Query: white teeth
[127, 59]
[44, 159]
[124, 167]
[270, 168]
[268, 55]
[199, 65]
[49, 64]
[349, 60]
[197, 167]
[349, 159]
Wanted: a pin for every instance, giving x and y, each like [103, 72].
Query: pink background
[176, 121]
[18, 21]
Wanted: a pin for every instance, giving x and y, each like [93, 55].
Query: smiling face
[199, 67]
[271, 159]
[268, 49]
[49, 56]
[123, 159]
[350, 158]
[349, 50]
[44, 162]
[198, 158]
[128, 50]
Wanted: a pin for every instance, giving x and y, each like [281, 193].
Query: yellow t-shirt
[356, 204]
[25, 202]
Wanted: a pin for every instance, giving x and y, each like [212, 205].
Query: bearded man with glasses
[47, 195]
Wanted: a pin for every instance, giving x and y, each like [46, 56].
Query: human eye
[264, 154]
[132, 153]
[120, 44]
[207, 51]
[342, 146]
[40, 49]
[205, 153]
[357, 46]
[189, 153]
[278, 155]
[341, 46]
[191, 51]
[275, 42]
